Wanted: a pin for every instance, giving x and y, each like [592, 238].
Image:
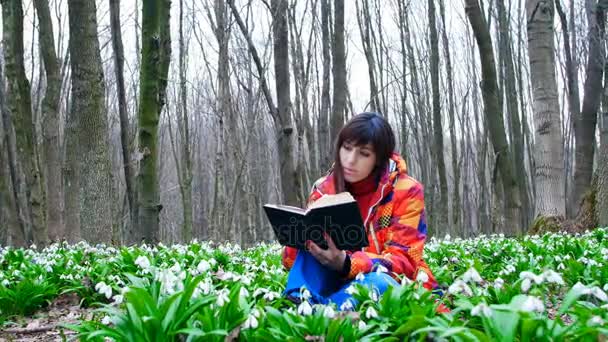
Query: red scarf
[363, 191]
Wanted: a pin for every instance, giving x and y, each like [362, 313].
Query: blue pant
[325, 285]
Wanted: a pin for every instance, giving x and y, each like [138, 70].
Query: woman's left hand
[331, 257]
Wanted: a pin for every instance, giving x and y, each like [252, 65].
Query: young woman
[392, 207]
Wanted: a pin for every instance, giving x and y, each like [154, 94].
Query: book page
[287, 208]
[329, 200]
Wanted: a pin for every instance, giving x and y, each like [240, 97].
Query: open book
[338, 215]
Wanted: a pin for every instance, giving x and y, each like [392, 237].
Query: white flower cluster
[548, 276]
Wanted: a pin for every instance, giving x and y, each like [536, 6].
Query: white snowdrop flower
[471, 275]
[599, 294]
[243, 292]
[374, 295]
[305, 294]
[605, 287]
[561, 266]
[381, 269]
[405, 281]
[106, 320]
[304, 308]
[538, 279]
[447, 237]
[371, 312]
[454, 260]
[222, 298]
[118, 299]
[104, 289]
[360, 276]
[259, 291]
[481, 309]
[553, 277]
[270, 296]
[329, 312]
[532, 304]
[212, 261]
[203, 266]
[595, 320]
[499, 283]
[422, 277]
[143, 262]
[245, 280]
[350, 290]
[5, 282]
[525, 285]
[361, 325]
[250, 323]
[460, 286]
[347, 305]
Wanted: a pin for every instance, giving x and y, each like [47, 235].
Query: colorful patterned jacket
[395, 225]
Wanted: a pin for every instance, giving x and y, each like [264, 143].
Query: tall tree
[584, 124]
[441, 211]
[494, 118]
[156, 52]
[119, 61]
[339, 72]
[88, 109]
[323, 121]
[291, 182]
[549, 155]
[20, 107]
[510, 95]
[50, 109]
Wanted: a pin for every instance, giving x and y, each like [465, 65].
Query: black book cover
[342, 221]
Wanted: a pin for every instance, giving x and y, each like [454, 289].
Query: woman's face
[357, 161]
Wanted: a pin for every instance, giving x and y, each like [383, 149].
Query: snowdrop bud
[203, 266]
[329, 312]
[561, 266]
[250, 323]
[305, 294]
[243, 292]
[304, 308]
[533, 304]
[499, 283]
[362, 325]
[595, 320]
[525, 285]
[422, 277]
[360, 276]
[381, 269]
[371, 313]
[350, 290]
[106, 320]
[481, 309]
[347, 305]
[471, 275]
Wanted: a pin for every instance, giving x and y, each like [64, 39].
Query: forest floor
[47, 324]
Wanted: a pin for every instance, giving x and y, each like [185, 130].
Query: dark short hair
[362, 129]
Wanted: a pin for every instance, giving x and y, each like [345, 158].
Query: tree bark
[339, 73]
[50, 109]
[549, 155]
[153, 81]
[584, 124]
[20, 106]
[323, 121]
[290, 180]
[441, 211]
[88, 106]
[119, 60]
[493, 115]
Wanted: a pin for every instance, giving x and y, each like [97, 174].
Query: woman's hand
[331, 257]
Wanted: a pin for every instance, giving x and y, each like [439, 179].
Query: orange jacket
[395, 225]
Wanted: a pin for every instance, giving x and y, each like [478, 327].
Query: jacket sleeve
[403, 240]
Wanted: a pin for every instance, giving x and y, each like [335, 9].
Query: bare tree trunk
[19, 104]
[515, 124]
[323, 122]
[493, 116]
[119, 59]
[186, 160]
[88, 92]
[50, 108]
[441, 211]
[549, 157]
[456, 200]
[71, 178]
[364, 20]
[17, 230]
[156, 54]
[339, 73]
[291, 184]
[584, 124]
